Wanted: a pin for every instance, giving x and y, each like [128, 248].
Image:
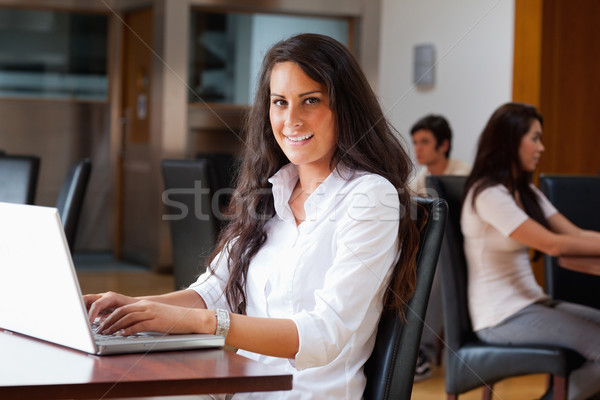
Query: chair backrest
[71, 196]
[390, 369]
[457, 321]
[576, 197]
[224, 166]
[18, 178]
[188, 196]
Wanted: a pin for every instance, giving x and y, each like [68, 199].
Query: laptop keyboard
[138, 336]
[100, 336]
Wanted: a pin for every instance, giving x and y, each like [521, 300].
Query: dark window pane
[226, 50]
[53, 54]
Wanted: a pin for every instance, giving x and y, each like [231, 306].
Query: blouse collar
[320, 201]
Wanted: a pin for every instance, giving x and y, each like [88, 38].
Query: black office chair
[71, 196]
[18, 178]
[390, 369]
[224, 167]
[576, 197]
[192, 214]
[471, 363]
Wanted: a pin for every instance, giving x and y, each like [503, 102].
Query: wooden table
[586, 265]
[33, 369]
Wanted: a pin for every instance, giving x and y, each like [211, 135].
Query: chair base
[559, 384]
[486, 394]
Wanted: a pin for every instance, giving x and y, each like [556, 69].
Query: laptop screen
[39, 292]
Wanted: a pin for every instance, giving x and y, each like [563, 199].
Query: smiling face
[531, 147]
[302, 122]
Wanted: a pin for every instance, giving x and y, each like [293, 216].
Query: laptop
[40, 295]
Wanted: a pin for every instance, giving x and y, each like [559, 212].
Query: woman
[504, 215]
[300, 275]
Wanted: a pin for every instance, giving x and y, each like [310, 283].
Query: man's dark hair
[438, 126]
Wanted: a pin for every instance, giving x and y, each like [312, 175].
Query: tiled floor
[103, 261]
[525, 388]
[99, 272]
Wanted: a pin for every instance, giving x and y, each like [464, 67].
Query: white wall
[268, 29]
[473, 41]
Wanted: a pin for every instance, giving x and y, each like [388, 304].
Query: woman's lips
[299, 138]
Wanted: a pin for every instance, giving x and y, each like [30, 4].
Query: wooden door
[556, 66]
[570, 86]
[135, 186]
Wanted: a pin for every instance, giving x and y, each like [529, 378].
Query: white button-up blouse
[327, 274]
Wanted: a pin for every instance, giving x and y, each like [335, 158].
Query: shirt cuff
[311, 348]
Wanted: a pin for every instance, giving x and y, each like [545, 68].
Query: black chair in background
[71, 196]
[471, 363]
[18, 178]
[192, 212]
[224, 167]
[577, 198]
[390, 369]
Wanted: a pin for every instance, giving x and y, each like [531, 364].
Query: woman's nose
[293, 118]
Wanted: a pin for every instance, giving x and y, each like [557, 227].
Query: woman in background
[503, 215]
[301, 274]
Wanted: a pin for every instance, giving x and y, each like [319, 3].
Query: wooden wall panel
[556, 67]
[569, 94]
[527, 62]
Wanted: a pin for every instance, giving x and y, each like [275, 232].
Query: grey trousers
[558, 323]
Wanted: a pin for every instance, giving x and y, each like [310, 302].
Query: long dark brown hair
[497, 160]
[366, 142]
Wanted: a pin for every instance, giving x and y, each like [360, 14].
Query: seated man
[432, 139]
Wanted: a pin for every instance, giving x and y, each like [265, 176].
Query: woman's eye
[312, 100]
[279, 102]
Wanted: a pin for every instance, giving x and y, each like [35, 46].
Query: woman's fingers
[89, 299]
[105, 303]
[146, 316]
[135, 318]
[124, 323]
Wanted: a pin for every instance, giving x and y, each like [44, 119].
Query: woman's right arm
[496, 206]
[560, 224]
[102, 303]
[185, 312]
[563, 239]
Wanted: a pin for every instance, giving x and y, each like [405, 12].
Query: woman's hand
[144, 315]
[100, 305]
[183, 311]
